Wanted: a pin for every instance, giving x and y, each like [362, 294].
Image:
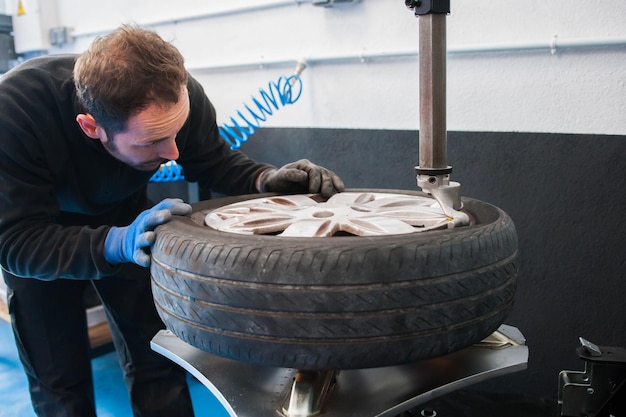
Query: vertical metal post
[432, 92]
[433, 172]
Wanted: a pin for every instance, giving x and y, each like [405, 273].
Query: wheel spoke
[376, 226]
[311, 228]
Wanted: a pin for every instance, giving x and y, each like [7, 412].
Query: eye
[155, 142]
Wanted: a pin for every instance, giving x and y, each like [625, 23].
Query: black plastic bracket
[433, 171]
[599, 391]
[422, 7]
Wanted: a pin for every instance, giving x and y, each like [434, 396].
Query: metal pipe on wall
[553, 46]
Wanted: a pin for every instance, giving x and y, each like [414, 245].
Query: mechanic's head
[132, 84]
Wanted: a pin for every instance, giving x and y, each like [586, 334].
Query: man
[80, 138]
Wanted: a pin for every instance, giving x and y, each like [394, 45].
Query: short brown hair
[124, 72]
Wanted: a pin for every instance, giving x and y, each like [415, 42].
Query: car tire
[343, 302]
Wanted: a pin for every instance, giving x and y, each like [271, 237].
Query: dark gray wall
[566, 195]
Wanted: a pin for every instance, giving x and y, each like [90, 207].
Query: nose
[169, 150]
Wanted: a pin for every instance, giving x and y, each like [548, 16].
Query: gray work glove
[301, 176]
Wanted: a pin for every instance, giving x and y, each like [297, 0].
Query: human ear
[89, 126]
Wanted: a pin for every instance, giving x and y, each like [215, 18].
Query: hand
[302, 176]
[129, 243]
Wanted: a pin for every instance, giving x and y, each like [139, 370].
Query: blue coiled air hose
[286, 90]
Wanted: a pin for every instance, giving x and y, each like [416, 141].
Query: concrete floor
[111, 396]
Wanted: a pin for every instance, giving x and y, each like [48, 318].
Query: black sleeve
[33, 243]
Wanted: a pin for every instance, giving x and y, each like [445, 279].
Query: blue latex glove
[301, 176]
[130, 243]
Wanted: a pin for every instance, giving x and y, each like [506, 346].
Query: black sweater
[60, 191]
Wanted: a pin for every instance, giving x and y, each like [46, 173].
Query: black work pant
[50, 328]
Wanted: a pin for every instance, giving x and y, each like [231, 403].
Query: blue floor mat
[111, 395]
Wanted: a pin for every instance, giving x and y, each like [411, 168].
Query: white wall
[234, 49]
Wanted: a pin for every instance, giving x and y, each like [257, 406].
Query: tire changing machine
[250, 390]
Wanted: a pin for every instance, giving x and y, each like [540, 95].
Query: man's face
[150, 135]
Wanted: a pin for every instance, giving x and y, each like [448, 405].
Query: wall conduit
[553, 46]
